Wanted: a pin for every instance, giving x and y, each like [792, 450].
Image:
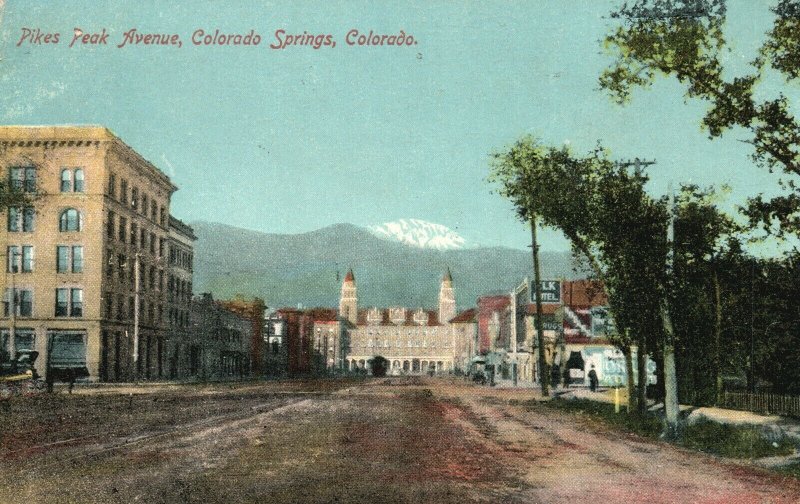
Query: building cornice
[80, 136]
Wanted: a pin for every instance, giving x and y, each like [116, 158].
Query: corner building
[97, 226]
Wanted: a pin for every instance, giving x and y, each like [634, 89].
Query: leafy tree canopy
[685, 39]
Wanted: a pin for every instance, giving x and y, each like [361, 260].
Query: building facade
[96, 227]
[276, 358]
[465, 334]
[413, 340]
[253, 310]
[179, 298]
[298, 333]
[219, 341]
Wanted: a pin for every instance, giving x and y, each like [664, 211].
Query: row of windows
[227, 335]
[123, 308]
[178, 318]
[23, 220]
[149, 276]
[418, 333]
[179, 290]
[69, 302]
[23, 178]
[69, 259]
[370, 343]
[139, 202]
[396, 316]
[138, 237]
[180, 257]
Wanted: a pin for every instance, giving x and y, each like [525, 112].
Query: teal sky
[292, 140]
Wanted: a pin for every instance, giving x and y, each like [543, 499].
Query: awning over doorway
[575, 361]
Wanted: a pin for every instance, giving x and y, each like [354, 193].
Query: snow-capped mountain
[308, 268]
[419, 233]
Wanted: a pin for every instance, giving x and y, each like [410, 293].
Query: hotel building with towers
[413, 340]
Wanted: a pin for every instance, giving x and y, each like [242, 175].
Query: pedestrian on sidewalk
[593, 379]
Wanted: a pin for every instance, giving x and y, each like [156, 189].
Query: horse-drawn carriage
[18, 375]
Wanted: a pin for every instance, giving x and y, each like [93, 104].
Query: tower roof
[447, 276]
[350, 277]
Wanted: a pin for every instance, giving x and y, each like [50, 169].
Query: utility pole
[671, 408]
[638, 164]
[136, 318]
[537, 280]
[751, 382]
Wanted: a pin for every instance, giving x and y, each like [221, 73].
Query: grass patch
[792, 470]
[648, 425]
[734, 441]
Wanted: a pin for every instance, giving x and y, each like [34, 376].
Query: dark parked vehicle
[18, 376]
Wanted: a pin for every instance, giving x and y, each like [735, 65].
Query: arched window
[78, 180]
[66, 180]
[70, 220]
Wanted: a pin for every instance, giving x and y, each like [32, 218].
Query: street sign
[551, 325]
[551, 291]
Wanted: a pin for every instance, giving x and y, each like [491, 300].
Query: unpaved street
[399, 440]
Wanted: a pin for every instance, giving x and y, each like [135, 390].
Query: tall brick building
[99, 222]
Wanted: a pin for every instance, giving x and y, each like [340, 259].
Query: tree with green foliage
[611, 222]
[620, 232]
[768, 320]
[704, 238]
[11, 196]
[685, 39]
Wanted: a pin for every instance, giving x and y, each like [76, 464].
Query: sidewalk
[768, 423]
[728, 416]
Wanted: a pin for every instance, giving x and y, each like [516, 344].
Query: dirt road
[372, 441]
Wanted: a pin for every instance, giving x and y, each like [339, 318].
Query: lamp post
[12, 329]
[136, 283]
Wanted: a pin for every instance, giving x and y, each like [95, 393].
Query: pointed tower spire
[348, 301]
[447, 299]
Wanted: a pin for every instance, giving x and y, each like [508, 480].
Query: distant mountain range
[308, 268]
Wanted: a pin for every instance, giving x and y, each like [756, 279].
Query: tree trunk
[629, 371]
[671, 408]
[717, 340]
[543, 374]
[641, 368]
